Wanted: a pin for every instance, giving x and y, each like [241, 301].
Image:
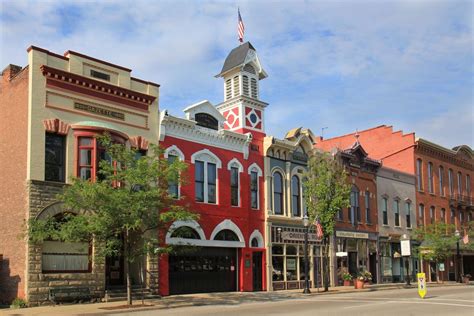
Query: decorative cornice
[452, 156]
[241, 99]
[188, 130]
[140, 100]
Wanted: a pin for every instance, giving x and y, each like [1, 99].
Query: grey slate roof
[236, 57]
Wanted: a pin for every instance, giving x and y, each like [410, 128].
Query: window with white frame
[451, 181]
[173, 153]
[235, 168]
[295, 196]
[408, 213]
[385, 211]
[396, 211]
[430, 178]
[441, 180]
[278, 193]
[205, 176]
[255, 172]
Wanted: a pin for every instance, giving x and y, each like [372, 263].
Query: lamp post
[306, 265]
[458, 256]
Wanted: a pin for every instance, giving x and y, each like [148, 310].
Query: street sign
[405, 244]
[421, 284]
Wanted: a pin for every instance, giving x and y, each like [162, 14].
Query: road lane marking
[366, 305]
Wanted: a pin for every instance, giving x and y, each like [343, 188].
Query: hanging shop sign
[352, 235]
[405, 245]
[297, 236]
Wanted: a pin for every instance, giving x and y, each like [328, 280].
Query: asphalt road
[453, 300]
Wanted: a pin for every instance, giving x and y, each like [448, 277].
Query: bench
[69, 294]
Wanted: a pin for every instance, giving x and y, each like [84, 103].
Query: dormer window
[100, 75]
[206, 120]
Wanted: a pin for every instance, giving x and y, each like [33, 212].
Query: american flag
[240, 28]
[319, 229]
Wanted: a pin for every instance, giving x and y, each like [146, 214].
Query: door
[352, 258]
[257, 271]
[114, 270]
[373, 266]
[204, 270]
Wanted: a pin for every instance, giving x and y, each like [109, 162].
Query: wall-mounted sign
[405, 244]
[298, 236]
[352, 235]
[99, 111]
[341, 254]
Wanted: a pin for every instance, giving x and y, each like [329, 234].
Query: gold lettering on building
[99, 111]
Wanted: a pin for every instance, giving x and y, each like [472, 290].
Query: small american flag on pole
[240, 28]
[319, 229]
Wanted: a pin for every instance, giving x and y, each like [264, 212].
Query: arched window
[185, 232]
[459, 184]
[421, 215]
[295, 196]
[206, 120]
[254, 88]
[278, 193]
[419, 173]
[430, 178]
[245, 85]
[227, 235]
[354, 211]
[441, 180]
[254, 243]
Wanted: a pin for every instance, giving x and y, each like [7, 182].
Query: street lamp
[458, 256]
[306, 265]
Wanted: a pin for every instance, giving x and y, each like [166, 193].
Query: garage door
[204, 270]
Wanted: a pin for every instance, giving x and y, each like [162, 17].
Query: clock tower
[242, 107]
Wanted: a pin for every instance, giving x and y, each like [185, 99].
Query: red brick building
[356, 237]
[223, 147]
[443, 180]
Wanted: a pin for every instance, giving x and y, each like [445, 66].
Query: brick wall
[13, 202]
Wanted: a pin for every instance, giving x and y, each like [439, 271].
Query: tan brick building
[51, 111]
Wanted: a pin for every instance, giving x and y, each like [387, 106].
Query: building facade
[223, 147]
[53, 109]
[356, 237]
[396, 201]
[285, 167]
[443, 184]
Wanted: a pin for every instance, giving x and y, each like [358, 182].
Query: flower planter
[358, 284]
[347, 282]
[465, 280]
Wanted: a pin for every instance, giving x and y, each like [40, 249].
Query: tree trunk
[437, 271]
[326, 264]
[127, 267]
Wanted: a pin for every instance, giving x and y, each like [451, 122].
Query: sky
[337, 66]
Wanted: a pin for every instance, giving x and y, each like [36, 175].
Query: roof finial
[356, 135]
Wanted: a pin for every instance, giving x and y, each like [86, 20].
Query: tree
[438, 242]
[326, 193]
[123, 211]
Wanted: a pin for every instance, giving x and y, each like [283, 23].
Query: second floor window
[408, 214]
[367, 207]
[453, 217]
[421, 214]
[459, 183]
[354, 211]
[254, 189]
[385, 211]
[173, 186]
[278, 193]
[234, 186]
[295, 196]
[396, 211]
[432, 215]
[54, 158]
[450, 181]
[205, 182]
[90, 154]
[430, 178]
[419, 174]
[443, 216]
[441, 180]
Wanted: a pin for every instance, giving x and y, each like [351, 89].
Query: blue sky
[344, 65]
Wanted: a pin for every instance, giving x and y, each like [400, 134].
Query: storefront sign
[405, 244]
[298, 236]
[341, 254]
[352, 235]
[99, 111]
[291, 264]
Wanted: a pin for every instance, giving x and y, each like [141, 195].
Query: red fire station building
[223, 147]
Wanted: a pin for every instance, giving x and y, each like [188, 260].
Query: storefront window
[277, 263]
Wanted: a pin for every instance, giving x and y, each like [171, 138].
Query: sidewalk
[177, 301]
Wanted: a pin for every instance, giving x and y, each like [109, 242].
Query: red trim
[106, 88]
[145, 82]
[70, 52]
[46, 51]
[95, 93]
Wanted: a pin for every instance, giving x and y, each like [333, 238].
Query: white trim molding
[236, 164]
[230, 225]
[174, 150]
[256, 234]
[255, 167]
[207, 156]
[191, 223]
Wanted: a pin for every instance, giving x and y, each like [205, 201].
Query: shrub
[19, 303]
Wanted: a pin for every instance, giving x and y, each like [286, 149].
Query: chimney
[10, 71]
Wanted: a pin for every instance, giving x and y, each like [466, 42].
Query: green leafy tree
[438, 242]
[123, 211]
[326, 193]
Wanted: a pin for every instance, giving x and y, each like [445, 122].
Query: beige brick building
[51, 111]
